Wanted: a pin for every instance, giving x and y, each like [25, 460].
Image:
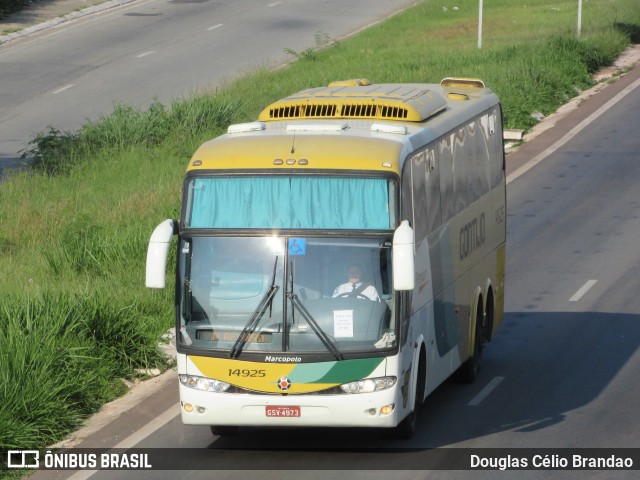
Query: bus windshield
[286, 294]
[290, 202]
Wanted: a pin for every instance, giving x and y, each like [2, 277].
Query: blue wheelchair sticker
[297, 246]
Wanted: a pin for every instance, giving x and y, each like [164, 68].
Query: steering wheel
[353, 294]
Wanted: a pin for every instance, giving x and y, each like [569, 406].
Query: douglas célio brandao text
[550, 461]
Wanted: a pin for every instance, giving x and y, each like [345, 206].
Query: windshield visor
[290, 202]
[285, 294]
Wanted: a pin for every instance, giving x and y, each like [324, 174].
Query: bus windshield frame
[244, 295]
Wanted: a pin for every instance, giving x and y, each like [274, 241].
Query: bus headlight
[203, 383]
[369, 385]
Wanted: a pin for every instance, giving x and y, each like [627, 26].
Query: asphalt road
[561, 372]
[156, 49]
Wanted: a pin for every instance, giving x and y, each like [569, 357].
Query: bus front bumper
[377, 409]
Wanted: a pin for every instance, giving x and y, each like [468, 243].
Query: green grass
[62, 355]
[75, 317]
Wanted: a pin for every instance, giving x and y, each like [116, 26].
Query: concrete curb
[65, 18]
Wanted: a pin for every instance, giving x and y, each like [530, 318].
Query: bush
[11, 6]
[55, 152]
[62, 357]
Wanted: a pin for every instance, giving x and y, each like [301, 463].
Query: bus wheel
[223, 431]
[470, 369]
[406, 429]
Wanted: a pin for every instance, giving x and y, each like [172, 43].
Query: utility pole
[579, 17]
[480, 25]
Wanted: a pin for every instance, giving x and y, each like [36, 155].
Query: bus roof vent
[462, 82]
[349, 99]
[356, 82]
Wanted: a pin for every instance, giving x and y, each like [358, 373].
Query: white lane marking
[66, 87]
[484, 393]
[214, 27]
[136, 437]
[150, 52]
[572, 133]
[274, 4]
[584, 289]
[149, 428]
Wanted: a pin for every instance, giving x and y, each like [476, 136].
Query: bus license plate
[276, 411]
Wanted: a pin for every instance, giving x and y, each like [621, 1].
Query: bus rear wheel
[470, 369]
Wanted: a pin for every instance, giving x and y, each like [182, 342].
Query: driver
[355, 287]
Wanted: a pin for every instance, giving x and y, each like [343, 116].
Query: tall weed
[62, 357]
[55, 152]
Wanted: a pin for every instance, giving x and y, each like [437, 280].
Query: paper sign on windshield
[343, 323]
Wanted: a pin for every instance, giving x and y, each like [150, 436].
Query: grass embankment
[75, 317]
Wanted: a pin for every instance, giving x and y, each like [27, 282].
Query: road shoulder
[49, 13]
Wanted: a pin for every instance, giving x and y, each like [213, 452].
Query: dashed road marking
[584, 289]
[66, 87]
[484, 393]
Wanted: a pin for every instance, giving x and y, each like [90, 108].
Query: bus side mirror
[403, 257]
[158, 253]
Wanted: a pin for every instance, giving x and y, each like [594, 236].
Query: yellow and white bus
[339, 258]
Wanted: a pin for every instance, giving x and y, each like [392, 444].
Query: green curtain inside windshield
[289, 202]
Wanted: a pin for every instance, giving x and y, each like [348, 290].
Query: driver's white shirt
[370, 292]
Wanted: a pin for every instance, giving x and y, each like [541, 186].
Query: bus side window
[434, 217]
[420, 207]
[476, 155]
[459, 171]
[485, 149]
[445, 164]
[496, 150]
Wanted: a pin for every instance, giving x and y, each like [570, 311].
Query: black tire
[406, 429]
[470, 369]
[488, 327]
[221, 431]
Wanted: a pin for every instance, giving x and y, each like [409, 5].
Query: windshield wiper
[324, 338]
[253, 322]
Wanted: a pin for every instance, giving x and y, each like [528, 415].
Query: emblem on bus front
[284, 383]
